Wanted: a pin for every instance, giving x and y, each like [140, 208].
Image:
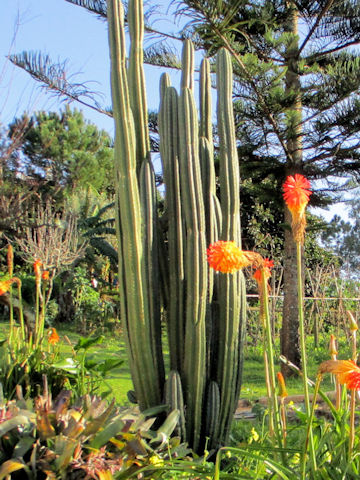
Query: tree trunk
[289, 339]
[290, 326]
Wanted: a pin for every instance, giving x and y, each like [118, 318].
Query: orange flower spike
[53, 337]
[5, 286]
[267, 266]
[45, 275]
[37, 267]
[347, 371]
[282, 387]
[226, 257]
[10, 260]
[296, 195]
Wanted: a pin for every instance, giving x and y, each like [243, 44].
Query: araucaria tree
[297, 104]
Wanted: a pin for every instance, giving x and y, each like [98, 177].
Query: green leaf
[23, 446]
[108, 365]
[68, 365]
[110, 431]
[91, 365]
[166, 429]
[13, 423]
[86, 343]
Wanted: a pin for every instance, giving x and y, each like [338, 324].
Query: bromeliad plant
[205, 312]
[62, 438]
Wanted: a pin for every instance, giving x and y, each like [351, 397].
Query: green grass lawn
[253, 386]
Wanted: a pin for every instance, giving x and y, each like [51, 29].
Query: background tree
[296, 96]
[62, 153]
[296, 99]
[342, 237]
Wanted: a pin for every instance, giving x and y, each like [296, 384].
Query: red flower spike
[296, 195]
[267, 266]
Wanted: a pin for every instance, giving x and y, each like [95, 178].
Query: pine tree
[296, 99]
[62, 152]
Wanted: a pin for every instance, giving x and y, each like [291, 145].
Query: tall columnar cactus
[204, 313]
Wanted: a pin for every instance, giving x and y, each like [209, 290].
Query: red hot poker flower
[53, 336]
[226, 257]
[5, 286]
[296, 195]
[267, 266]
[332, 347]
[282, 387]
[45, 275]
[347, 371]
[37, 266]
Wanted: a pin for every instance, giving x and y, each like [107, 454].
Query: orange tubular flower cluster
[5, 285]
[266, 267]
[53, 337]
[45, 275]
[282, 387]
[226, 257]
[348, 373]
[37, 267]
[296, 195]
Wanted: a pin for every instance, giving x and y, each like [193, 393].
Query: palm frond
[104, 248]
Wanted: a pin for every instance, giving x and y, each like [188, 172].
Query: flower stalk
[333, 354]
[282, 394]
[304, 362]
[296, 195]
[264, 298]
[353, 330]
[10, 265]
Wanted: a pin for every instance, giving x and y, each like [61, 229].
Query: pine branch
[99, 7]
[315, 25]
[160, 55]
[55, 79]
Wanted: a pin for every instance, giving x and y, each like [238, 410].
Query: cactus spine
[204, 313]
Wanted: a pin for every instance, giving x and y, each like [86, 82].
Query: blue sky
[64, 31]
